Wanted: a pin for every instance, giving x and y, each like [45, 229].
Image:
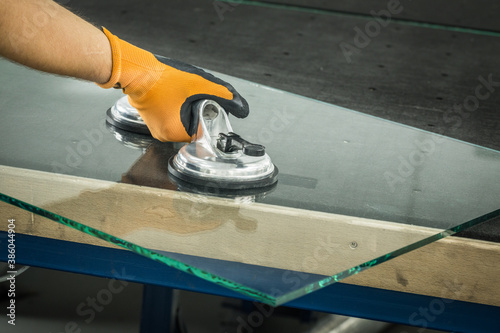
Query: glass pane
[353, 190]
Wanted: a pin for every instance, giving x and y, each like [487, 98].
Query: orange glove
[163, 90]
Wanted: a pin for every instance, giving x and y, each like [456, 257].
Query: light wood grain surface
[253, 233]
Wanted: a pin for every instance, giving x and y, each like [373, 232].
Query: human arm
[46, 36]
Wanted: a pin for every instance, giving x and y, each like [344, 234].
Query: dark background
[409, 73]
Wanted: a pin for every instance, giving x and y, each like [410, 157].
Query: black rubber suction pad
[211, 185]
[258, 192]
[125, 125]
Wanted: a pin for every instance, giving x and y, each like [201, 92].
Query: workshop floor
[54, 302]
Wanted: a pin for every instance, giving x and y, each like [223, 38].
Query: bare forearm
[45, 36]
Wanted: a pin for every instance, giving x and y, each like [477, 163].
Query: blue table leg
[159, 309]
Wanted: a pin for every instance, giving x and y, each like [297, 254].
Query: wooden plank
[217, 228]
[254, 234]
[455, 268]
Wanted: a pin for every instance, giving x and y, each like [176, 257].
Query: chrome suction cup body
[217, 158]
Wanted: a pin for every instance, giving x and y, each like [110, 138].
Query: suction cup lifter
[218, 157]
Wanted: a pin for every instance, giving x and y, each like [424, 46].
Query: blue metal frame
[339, 298]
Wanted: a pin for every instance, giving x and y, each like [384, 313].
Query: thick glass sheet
[353, 190]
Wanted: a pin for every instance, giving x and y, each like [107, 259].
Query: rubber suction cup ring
[258, 192]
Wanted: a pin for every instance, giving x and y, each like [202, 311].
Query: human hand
[164, 90]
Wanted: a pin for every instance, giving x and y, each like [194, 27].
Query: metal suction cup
[126, 117]
[218, 158]
[130, 139]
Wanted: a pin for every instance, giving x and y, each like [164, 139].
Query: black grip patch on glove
[237, 106]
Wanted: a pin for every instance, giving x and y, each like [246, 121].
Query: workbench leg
[159, 310]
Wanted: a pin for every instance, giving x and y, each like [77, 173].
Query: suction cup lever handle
[232, 142]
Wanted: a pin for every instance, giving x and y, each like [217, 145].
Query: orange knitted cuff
[117, 66]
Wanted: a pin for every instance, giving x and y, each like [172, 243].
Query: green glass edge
[255, 294]
[383, 258]
[362, 16]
